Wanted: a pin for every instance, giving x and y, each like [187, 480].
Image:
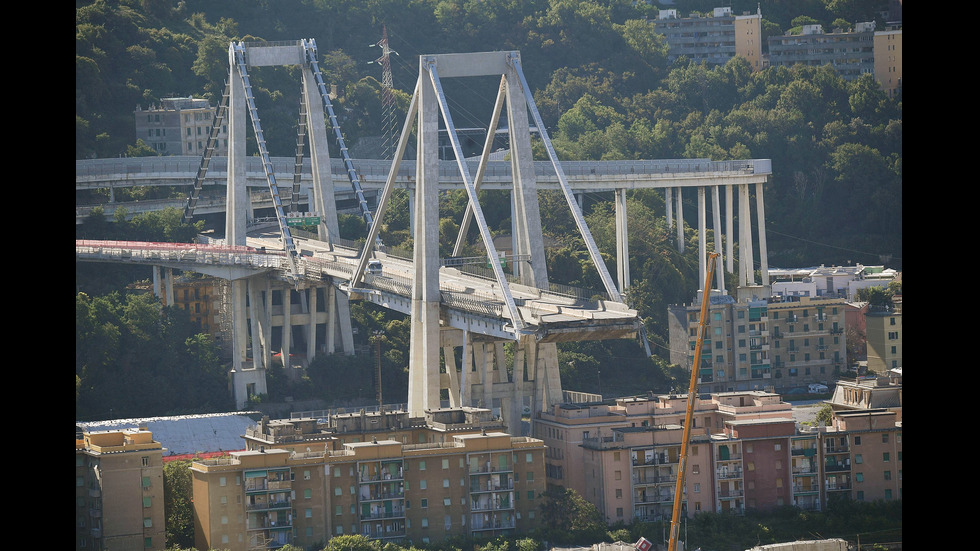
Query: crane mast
[689, 415]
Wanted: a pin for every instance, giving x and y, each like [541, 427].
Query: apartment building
[888, 60]
[828, 281]
[180, 126]
[746, 453]
[119, 490]
[781, 343]
[712, 39]
[201, 298]
[380, 474]
[870, 393]
[807, 342]
[623, 456]
[883, 332]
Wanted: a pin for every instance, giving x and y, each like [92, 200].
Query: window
[530, 494]
[888, 475]
[421, 465]
[619, 511]
[425, 522]
[859, 477]
[147, 522]
[307, 493]
[425, 503]
[447, 501]
[422, 485]
[445, 463]
[445, 482]
[619, 492]
[147, 501]
[309, 513]
[146, 461]
[339, 511]
[306, 475]
[885, 457]
[337, 491]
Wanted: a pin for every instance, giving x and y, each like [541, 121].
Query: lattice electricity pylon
[387, 97]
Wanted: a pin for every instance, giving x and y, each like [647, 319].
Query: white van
[817, 388]
[373, 267]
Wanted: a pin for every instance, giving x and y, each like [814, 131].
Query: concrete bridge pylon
[250, 341]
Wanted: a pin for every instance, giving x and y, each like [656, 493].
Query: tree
[352, 542]
[568, 518]
[177, 510]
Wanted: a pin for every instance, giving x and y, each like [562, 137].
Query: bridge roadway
[582, 176]
[469, 302]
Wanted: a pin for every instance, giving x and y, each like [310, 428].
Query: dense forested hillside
[601, 80]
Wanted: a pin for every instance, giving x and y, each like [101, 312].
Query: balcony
[726, 475]
[269, 506]
[378, 515]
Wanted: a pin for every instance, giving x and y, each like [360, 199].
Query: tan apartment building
[883, 332]
[119, 491]
[180, 126]
[759, 344]
[888, 60]
[304, 481]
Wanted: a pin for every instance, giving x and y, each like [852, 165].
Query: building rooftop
[186, 434]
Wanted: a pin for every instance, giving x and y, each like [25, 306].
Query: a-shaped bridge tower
[531, 383]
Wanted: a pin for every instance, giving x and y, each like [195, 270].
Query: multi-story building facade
[201, 298]
[119, 490]
[746, 453]
[380, 474]
[759, 344]
[714, 39]
[883, 332]
[623, 456]
[870, 393]
[852, 54]
[807, 342]
[180, 126]
[888, 60]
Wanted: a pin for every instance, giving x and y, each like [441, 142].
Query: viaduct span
[448, 309]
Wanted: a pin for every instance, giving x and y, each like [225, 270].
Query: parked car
[817, 388]
[373, 267]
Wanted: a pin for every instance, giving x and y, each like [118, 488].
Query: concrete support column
[669, 205]
[254, 308]
[527, 215]
[680, 221]
[331, 319]
[287, 325]
[622, 242]
[716, 225]
[745, 260]
[267, 322]
[760, 212]
[729, 230]
[163, 285]
[323, 201]
[423, 369]
[702, 238]
[311, 328]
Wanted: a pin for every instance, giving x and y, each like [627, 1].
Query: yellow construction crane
[691, 398]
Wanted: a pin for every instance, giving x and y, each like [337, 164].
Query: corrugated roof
[187, 434]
